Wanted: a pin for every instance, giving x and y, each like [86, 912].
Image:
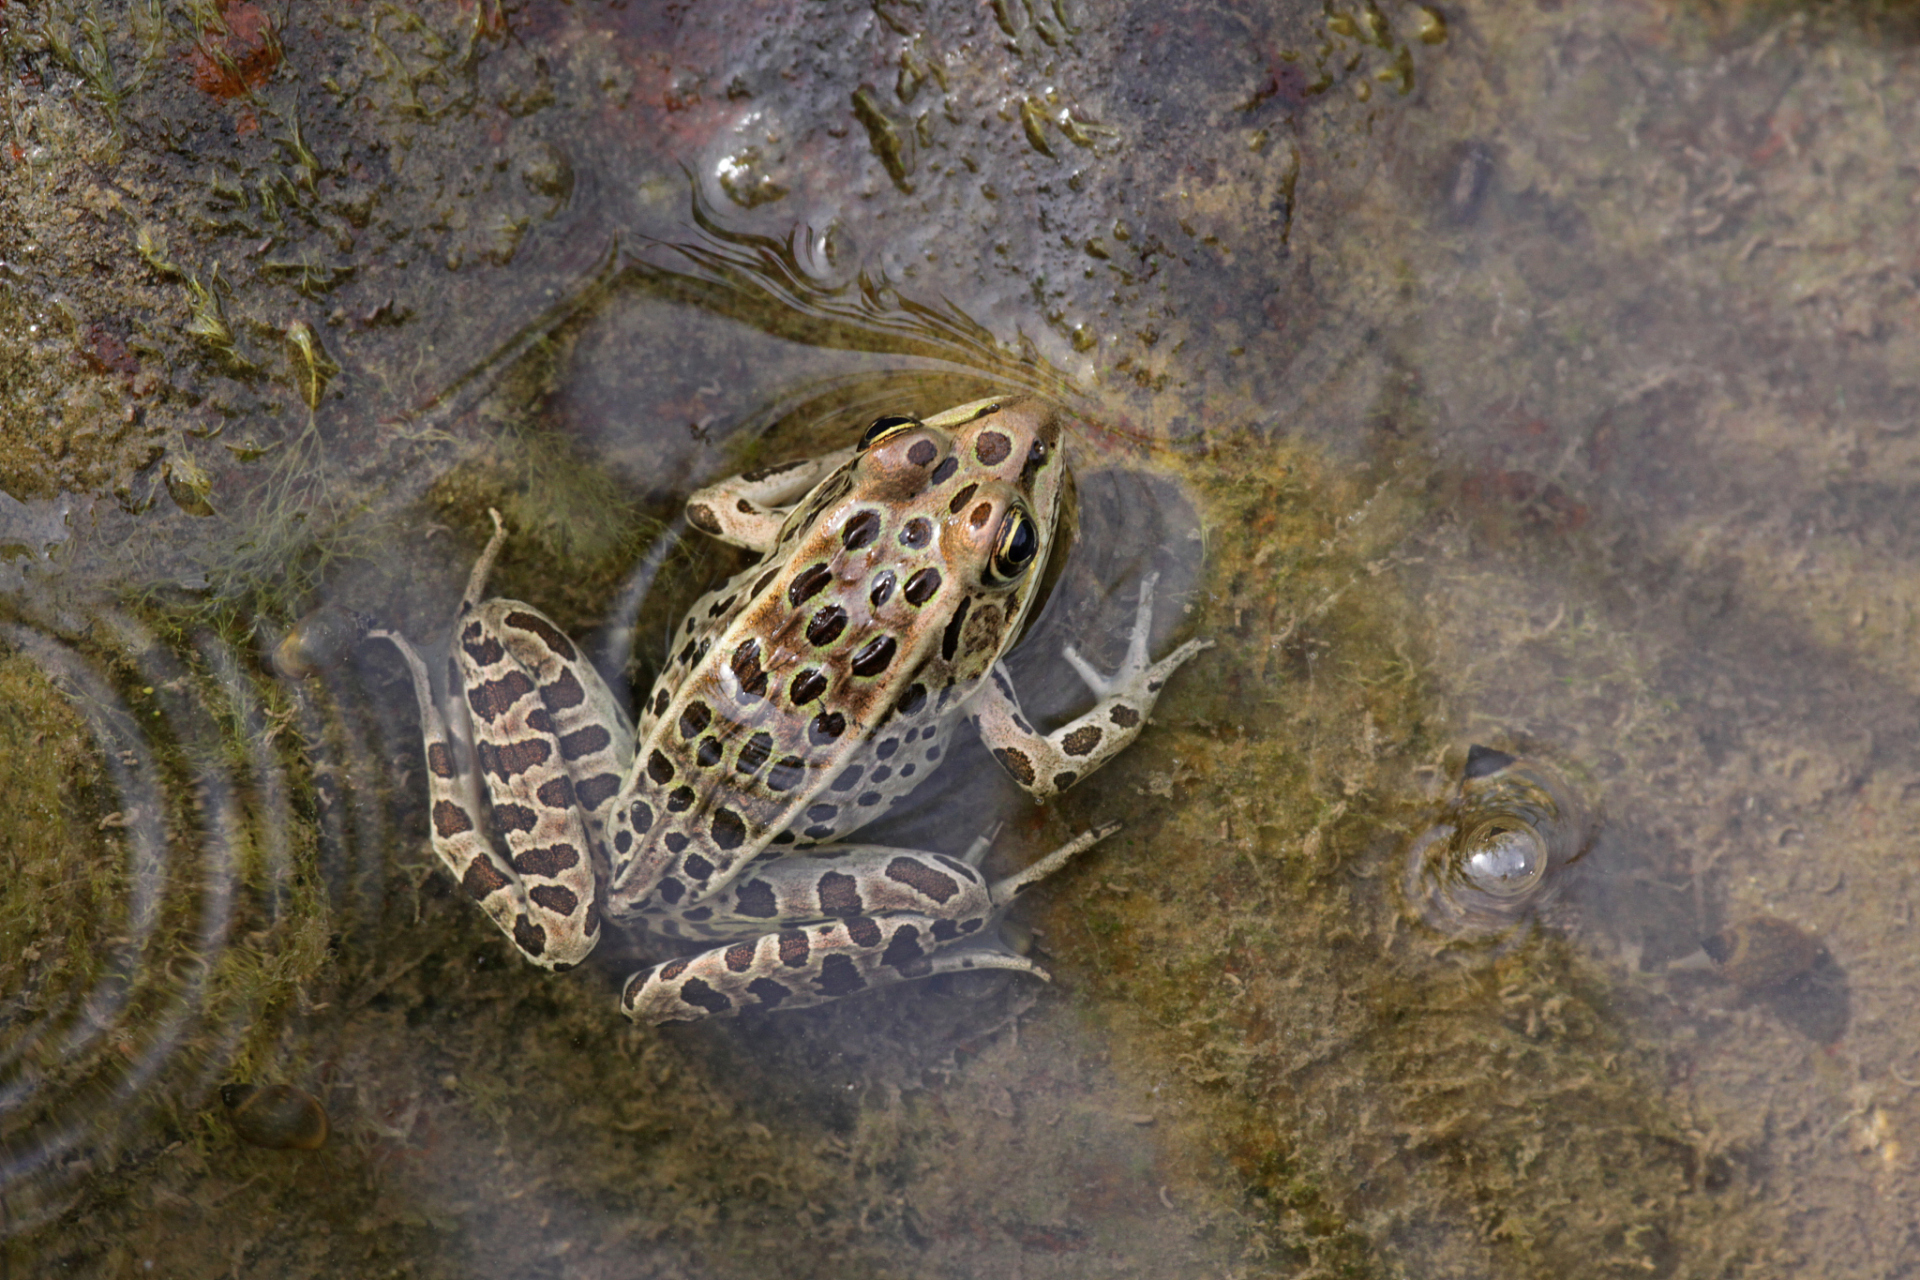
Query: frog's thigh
[798, 967]
[747, 510]
[458, 834]
[540, 770]
[839, 881]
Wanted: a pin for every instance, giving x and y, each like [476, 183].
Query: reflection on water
[1472, 374]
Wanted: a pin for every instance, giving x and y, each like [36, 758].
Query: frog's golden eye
[886, 425]
[1014, 547]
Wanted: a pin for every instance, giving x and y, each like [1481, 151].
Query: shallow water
[1533, 378]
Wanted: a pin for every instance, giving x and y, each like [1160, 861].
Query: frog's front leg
[1046, 764]
[843, 919]
[749, 509]
[526, 751]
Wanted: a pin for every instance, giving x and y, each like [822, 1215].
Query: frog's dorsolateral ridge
[802, 699]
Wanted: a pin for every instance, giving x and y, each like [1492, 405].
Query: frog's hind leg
[904, 915]
[524, 845]
[1046, 764]
[457, 814]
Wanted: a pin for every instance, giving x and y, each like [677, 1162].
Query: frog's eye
[886, 425]
[1014, 547]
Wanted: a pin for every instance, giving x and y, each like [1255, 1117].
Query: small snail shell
[276, 1115]
[1489, 861]
[1763, 953]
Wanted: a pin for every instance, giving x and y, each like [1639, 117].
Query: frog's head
[970, 499]
[985, 478]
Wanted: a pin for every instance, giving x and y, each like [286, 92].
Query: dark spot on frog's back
[922, 453]
[729, 830]
[701, 517]
[746, 669]
[550, 635]
[922, 586]
[825, 728]
[873, 656]
[992, 448]
[739, 957]
[861, 530]
[807, 686]
[754, 753]
[827, 625]
[808, 584]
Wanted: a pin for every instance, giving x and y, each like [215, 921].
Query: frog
[801, 699]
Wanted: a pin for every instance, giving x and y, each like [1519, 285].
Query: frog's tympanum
[801, 700]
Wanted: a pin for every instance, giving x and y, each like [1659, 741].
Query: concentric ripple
[160, 908]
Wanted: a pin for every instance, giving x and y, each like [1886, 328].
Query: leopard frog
[800, 700]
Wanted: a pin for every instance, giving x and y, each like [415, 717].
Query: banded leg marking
[1047, 764]
[795, 967]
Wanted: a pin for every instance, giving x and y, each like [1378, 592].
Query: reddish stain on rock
[239, 60]
[104, 351]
